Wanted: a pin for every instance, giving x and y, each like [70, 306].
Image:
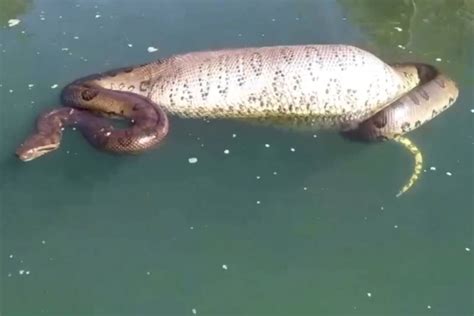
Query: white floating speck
[438, 59]
[262, 35]
[97, 16]
[9, 275]
[395, 226]
[381, 208]
[235, 135]
[148, 273]
[401, 46]
[191, 227]
[193, 160]
[11, 90]
[433, 168]
[27, 272]
[472, 110]
[11, 256]
[13, 22]
[42, 18]
[429, 306]
[54, 86]
[267, 145]
[43, 242]
[398, 28]
[467, 249]
[297, 19]
[65, 49]
[369, 294]
[194, 311]
[273, 20]
[315, 136]
[275, 173]
[226, 151]
[130, 45]
[76, 37]
[305, 188]
[21, 272]
[258, 177]
[448, 173]
[31, 85]
[224, 267]
[292, 149]
[239, 35]
[258, 202]
[152, 49]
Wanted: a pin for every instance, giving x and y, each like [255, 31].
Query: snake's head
[35, 146]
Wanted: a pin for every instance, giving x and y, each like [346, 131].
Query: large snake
[338, 87]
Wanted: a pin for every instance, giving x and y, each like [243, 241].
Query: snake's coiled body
[337, 87]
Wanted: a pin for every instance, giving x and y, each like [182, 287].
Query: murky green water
[262, 230]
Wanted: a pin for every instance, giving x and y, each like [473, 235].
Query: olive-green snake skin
[336, 87]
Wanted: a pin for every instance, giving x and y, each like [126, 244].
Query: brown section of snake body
[85, 106]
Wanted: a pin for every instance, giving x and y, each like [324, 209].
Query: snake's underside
[336, 87]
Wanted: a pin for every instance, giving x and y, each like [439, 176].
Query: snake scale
[333, 87]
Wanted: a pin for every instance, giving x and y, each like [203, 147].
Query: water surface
[268, 221]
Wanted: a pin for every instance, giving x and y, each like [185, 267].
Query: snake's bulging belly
[332, 85]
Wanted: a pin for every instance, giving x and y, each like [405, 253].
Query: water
[256, 229]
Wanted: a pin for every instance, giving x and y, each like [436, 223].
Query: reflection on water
[428, 29]
[10, 9]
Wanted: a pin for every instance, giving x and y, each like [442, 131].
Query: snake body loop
[337, 87]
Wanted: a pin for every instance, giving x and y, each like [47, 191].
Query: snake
[335, 87]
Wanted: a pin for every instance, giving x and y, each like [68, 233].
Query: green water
[316, 230]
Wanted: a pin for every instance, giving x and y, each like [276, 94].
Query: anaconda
[336, 87]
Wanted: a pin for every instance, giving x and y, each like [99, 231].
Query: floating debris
[401, 47]
[472, 110]
[13, 22]
[398, 28]
[258, 177]
[97, 16]
[54, 86]
[433, 168]
[30, 85]
[235, 135]
[194, 311]
[448, 173]
[130, 45]
[226, 151]
[467, 249]
[428, 306]
[267, 145]
[193, 160]
[292, 149]
[21, 272]
[224, 266]
[438, 59]
[258, 202]
[152, 49]
[369, 294]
